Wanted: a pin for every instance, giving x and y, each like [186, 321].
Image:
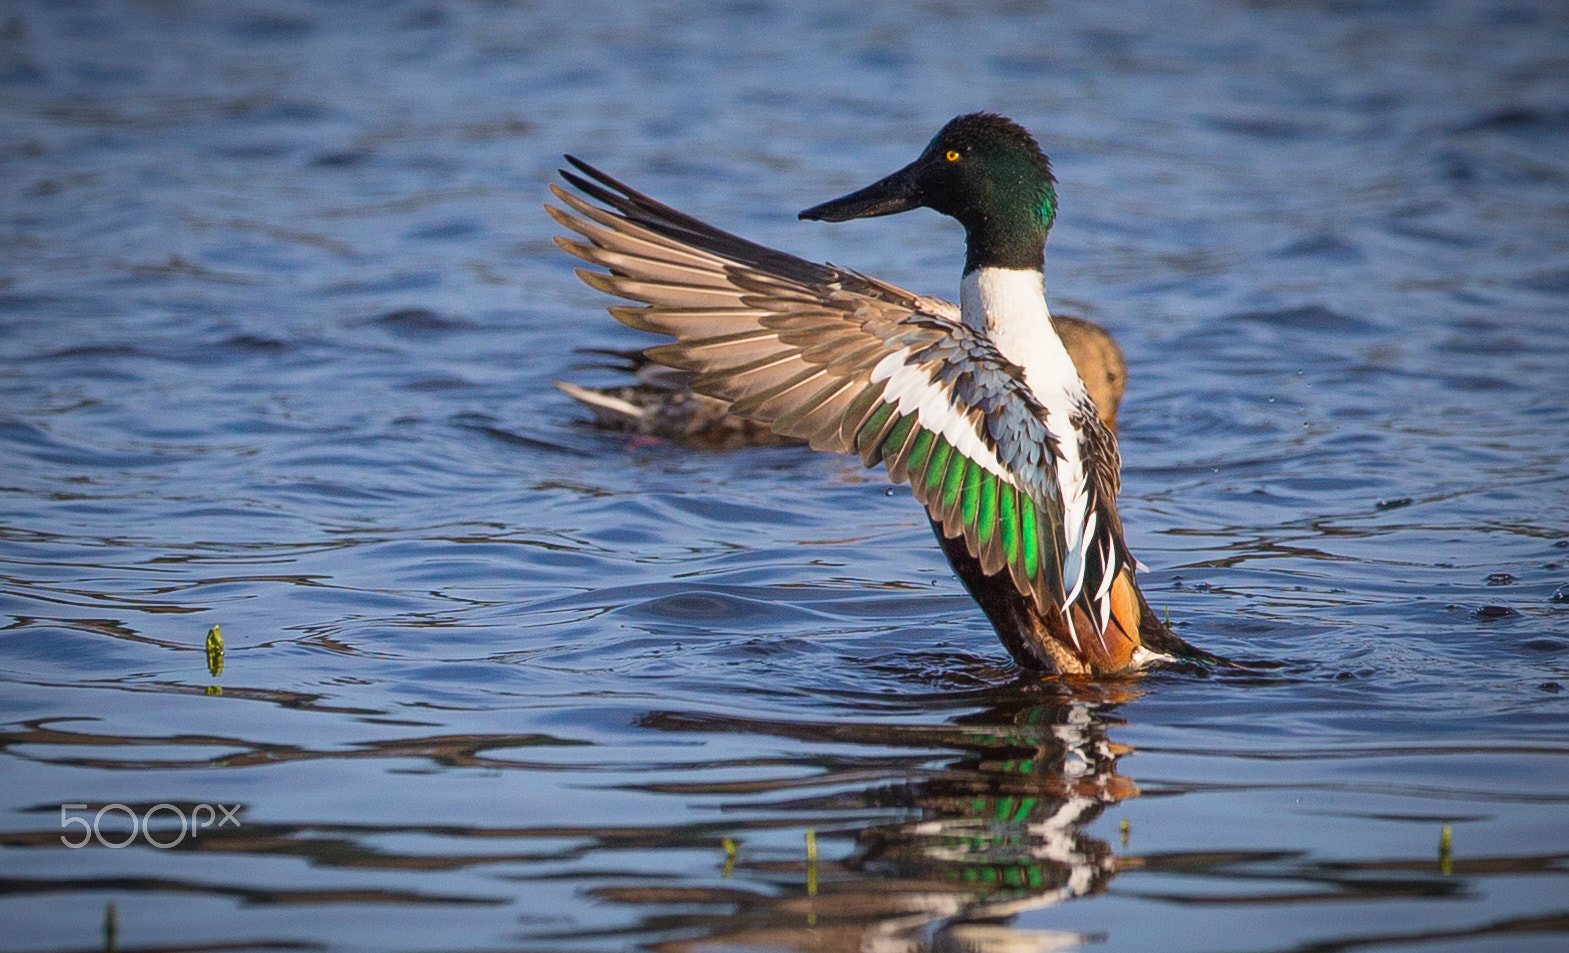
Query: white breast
[1009, 307]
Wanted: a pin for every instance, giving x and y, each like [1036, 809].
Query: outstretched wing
[852, 364]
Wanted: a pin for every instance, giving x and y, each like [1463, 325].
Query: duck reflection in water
[997, 832]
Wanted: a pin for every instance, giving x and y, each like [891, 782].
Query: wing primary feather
[783, 398]
[857, 362]
[805, 413]
[618, 224]
[737, 351]
[607, 230]
[691, 323]
[823, 426]
[684, 228]
[740, 385]
[658, 269]
[802, 327]
[664, 294]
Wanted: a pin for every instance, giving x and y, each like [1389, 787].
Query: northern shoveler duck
[660, 402]
[978, 406]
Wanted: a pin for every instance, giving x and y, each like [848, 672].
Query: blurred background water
[278, 317]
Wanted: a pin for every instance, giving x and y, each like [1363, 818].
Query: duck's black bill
[896, 193]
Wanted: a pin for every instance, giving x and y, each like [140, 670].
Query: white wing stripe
[911, 387]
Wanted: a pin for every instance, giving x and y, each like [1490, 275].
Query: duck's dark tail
[1157, 636]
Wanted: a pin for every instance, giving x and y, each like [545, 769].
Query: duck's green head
[982, 169]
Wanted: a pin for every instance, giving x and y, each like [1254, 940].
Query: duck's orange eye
[953, 155]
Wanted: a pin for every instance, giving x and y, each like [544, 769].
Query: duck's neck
[1008, 305]
[1006, 227]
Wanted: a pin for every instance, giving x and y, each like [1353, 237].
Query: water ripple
[280, 314]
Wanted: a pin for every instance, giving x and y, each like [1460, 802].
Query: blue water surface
[279, 313]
